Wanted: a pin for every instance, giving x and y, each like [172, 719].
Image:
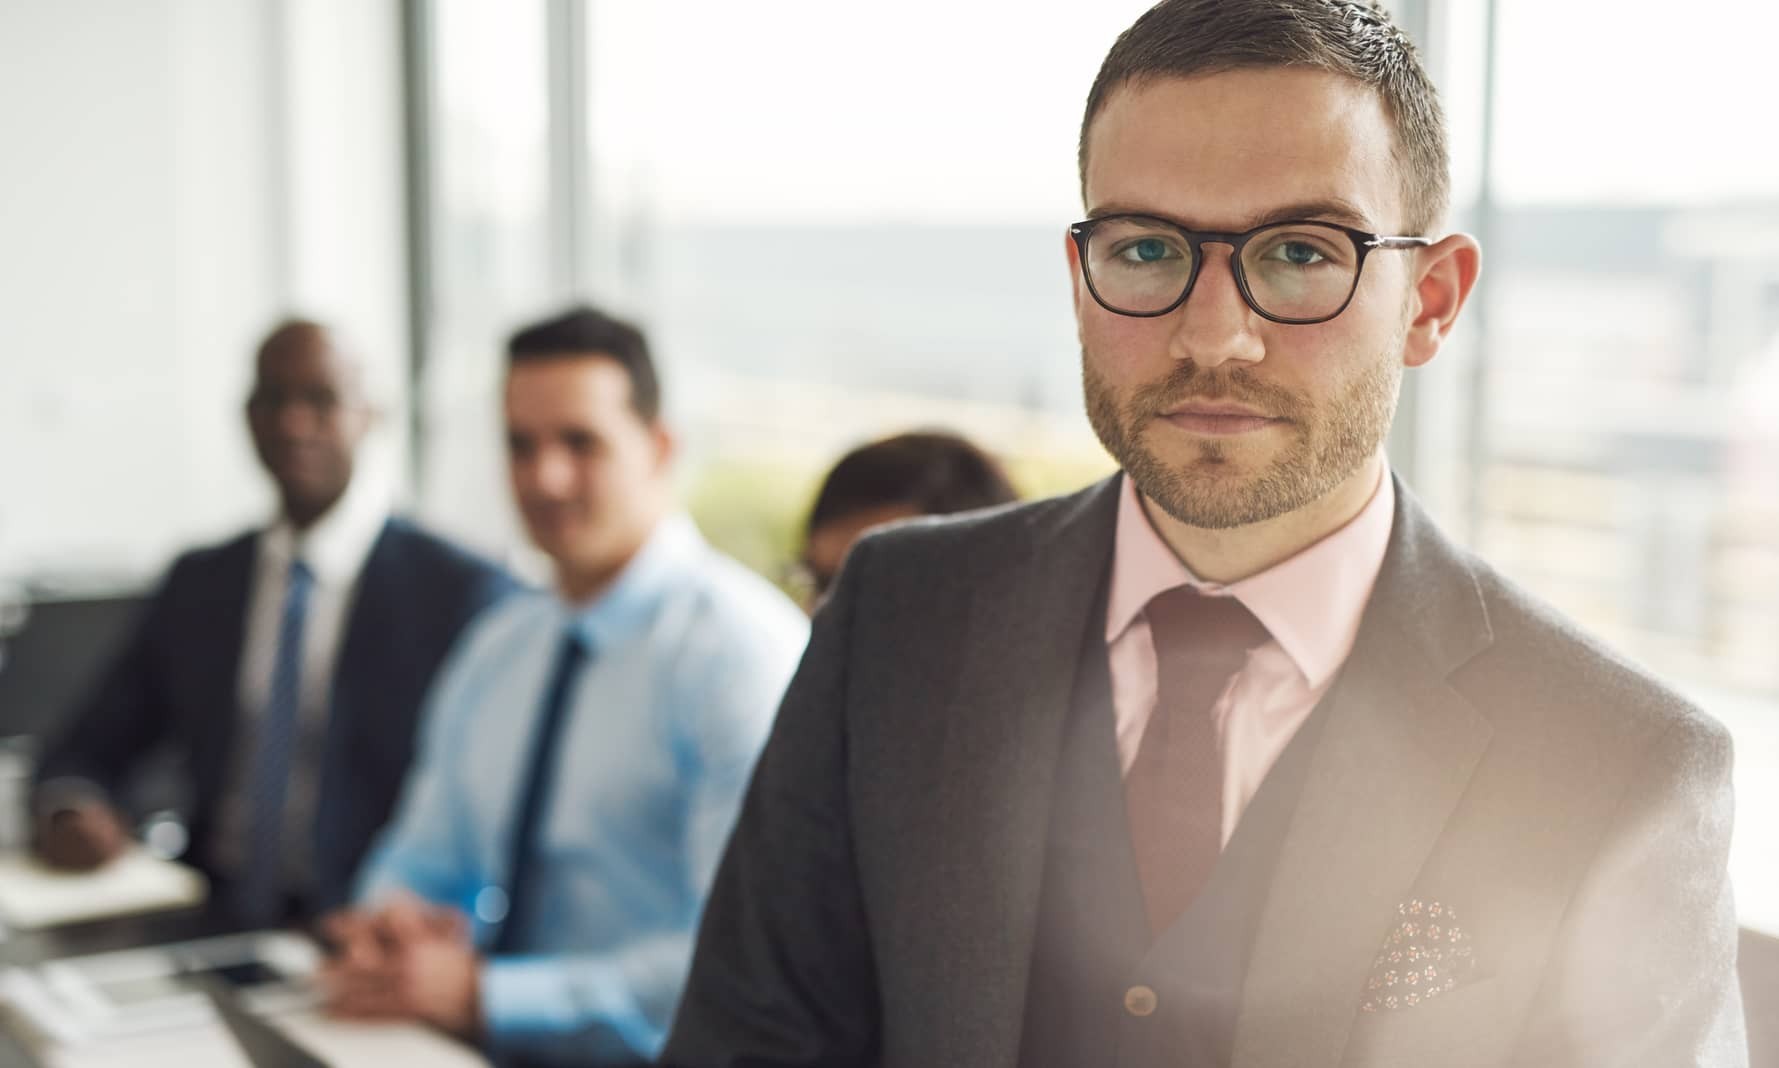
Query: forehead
[307, 357]
[585, 389]
[1221, 151]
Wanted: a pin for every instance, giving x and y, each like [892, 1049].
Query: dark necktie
[1174, 792]
[535, 789]
[261, 882]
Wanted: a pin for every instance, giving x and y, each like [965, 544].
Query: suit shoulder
[202, 557]
[987, 532]
[205, 564]
[933, 568]
[435, 549]
[1543, 664]
[442, 558]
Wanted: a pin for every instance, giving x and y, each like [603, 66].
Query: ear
[371, 416]
[1445, 274]
[1077, 282]
[665, 442]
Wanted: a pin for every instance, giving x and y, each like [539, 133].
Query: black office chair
[50, 664]
[55, 658]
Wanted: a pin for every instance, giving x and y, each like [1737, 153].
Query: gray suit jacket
[878, 900]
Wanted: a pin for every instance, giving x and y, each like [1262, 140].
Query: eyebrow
[1329, 209]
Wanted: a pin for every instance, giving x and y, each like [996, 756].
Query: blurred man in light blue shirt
[585, 750]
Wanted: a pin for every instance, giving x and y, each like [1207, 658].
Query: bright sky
[918, 109]
[966, 110]
[1635, 100]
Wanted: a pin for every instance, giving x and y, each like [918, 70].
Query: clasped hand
[404, 958]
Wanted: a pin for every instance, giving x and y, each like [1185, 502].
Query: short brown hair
[586, 331]
[1184, 38]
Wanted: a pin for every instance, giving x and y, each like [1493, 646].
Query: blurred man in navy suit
[286, 666]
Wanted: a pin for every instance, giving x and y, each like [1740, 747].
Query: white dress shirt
[335, 549]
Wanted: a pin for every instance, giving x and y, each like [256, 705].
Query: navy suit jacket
[177, 682]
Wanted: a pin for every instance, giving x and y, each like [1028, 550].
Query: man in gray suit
[1233, 759]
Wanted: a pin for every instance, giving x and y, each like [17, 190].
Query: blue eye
[1296, 253]
[1148, 250]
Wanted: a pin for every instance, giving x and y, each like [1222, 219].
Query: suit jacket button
[1139, 1001]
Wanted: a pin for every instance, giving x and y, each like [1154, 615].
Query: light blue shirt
[691, 654]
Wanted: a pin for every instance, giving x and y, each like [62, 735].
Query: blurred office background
[839, 220]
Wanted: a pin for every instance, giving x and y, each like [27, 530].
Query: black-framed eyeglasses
[1296, 272]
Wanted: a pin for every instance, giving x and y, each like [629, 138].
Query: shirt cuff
[528, 1001]
[524, 996]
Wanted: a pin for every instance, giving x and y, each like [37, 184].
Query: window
[1624, 461]
[840, 222]
[837, 223]
[491, 239]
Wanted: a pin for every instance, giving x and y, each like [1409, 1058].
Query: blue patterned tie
[259, 901]
[536, 788]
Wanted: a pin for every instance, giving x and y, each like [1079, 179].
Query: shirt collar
[335, 546]
[631, 600]
[1311, 603]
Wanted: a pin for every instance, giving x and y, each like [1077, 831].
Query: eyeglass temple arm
[1399, 242]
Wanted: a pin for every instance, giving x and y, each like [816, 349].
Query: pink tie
[1174, 792]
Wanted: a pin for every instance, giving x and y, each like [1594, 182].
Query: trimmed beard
[1330, 442]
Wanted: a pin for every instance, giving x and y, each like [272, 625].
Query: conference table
[34, 947]
[345, 1045]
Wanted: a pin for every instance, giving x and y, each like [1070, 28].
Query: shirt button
[1139, 1001]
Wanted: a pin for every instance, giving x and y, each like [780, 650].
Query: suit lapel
[224, 628]
[367, 626]
[1001, 747]
[361, 661]
[1399, 747]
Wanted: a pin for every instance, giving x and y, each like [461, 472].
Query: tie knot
[300, 574]
[576, 644]
[1186, 617]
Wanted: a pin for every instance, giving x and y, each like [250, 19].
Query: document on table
[148, 1006]
[33, 895]
[341, 1043]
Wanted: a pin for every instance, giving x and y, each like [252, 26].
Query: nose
[1215, 325]
[551, 473]
[294, 418]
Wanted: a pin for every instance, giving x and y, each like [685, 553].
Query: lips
[1216, 408]
[286, 456]
[1218, 419]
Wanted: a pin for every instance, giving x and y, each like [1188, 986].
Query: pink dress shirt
[1311, 604]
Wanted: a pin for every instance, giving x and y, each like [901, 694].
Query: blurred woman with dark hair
[914, 474]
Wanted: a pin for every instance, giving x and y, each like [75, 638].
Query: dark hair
[586, 331]
[1183, 38]
[934, 472]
